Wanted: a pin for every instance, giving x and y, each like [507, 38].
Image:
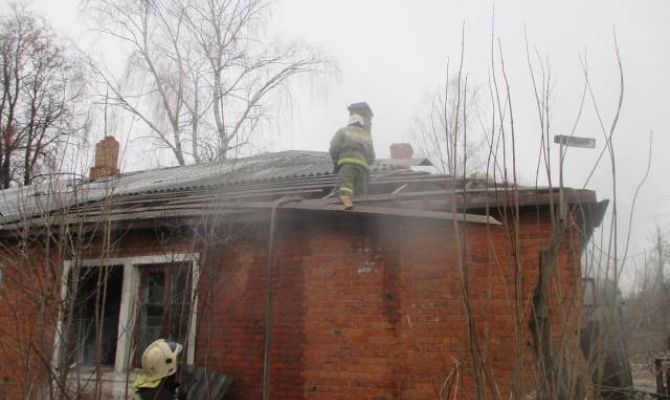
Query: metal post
[561, 200]
[267, 340]
[658, 369]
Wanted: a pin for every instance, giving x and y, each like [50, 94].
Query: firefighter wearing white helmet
[352, 153]
[159, 365]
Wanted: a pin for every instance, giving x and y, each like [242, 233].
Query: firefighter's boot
[346, 201]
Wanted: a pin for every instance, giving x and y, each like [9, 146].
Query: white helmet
[160, 359]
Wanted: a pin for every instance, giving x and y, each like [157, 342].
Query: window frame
[129, 297]
[171, 272]
[91, 297]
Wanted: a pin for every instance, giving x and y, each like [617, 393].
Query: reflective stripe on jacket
[352, 145]
[159, 389]
[143, 383]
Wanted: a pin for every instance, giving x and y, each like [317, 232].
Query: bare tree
[440, 130]
[648, 306]
[201, 75]
[41, 84]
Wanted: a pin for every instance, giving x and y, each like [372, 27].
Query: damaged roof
[52, 194]
[245, 185]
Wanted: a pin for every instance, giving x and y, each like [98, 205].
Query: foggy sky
[391, 53]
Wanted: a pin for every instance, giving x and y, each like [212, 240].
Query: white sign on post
[574, 141]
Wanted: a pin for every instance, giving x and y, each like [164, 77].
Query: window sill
[115, 384]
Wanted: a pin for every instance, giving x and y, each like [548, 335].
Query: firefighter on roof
[352, 152]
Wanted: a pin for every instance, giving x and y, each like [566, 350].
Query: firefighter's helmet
[362, 109]
[160, 359]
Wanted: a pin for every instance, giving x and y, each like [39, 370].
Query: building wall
[30, 290]
[27, 318]
[374, 309]
[367, 308]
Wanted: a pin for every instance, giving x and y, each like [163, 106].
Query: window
[164, 304]
[95, 293]
[116, 307]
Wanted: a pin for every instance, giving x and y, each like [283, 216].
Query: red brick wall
[30, 300]
[27, 318]
[371, 308]
[106, 158]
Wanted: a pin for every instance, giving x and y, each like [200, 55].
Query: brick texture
[106, 158]
[375, 308]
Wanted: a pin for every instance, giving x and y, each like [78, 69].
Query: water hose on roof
[267, 342]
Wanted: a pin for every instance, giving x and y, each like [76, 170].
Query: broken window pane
[95, 314]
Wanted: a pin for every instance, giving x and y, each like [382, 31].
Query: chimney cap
[401, 151]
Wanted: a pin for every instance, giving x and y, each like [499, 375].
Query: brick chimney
[401, 151]
[106, 158]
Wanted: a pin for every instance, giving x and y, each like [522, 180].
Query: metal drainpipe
[267, 344]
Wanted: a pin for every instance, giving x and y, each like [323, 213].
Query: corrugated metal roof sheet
[264, 167]
[43, 197]
[206, 188]
[272, 166]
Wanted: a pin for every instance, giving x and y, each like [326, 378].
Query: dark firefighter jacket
[352, 145]
[161, 389]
